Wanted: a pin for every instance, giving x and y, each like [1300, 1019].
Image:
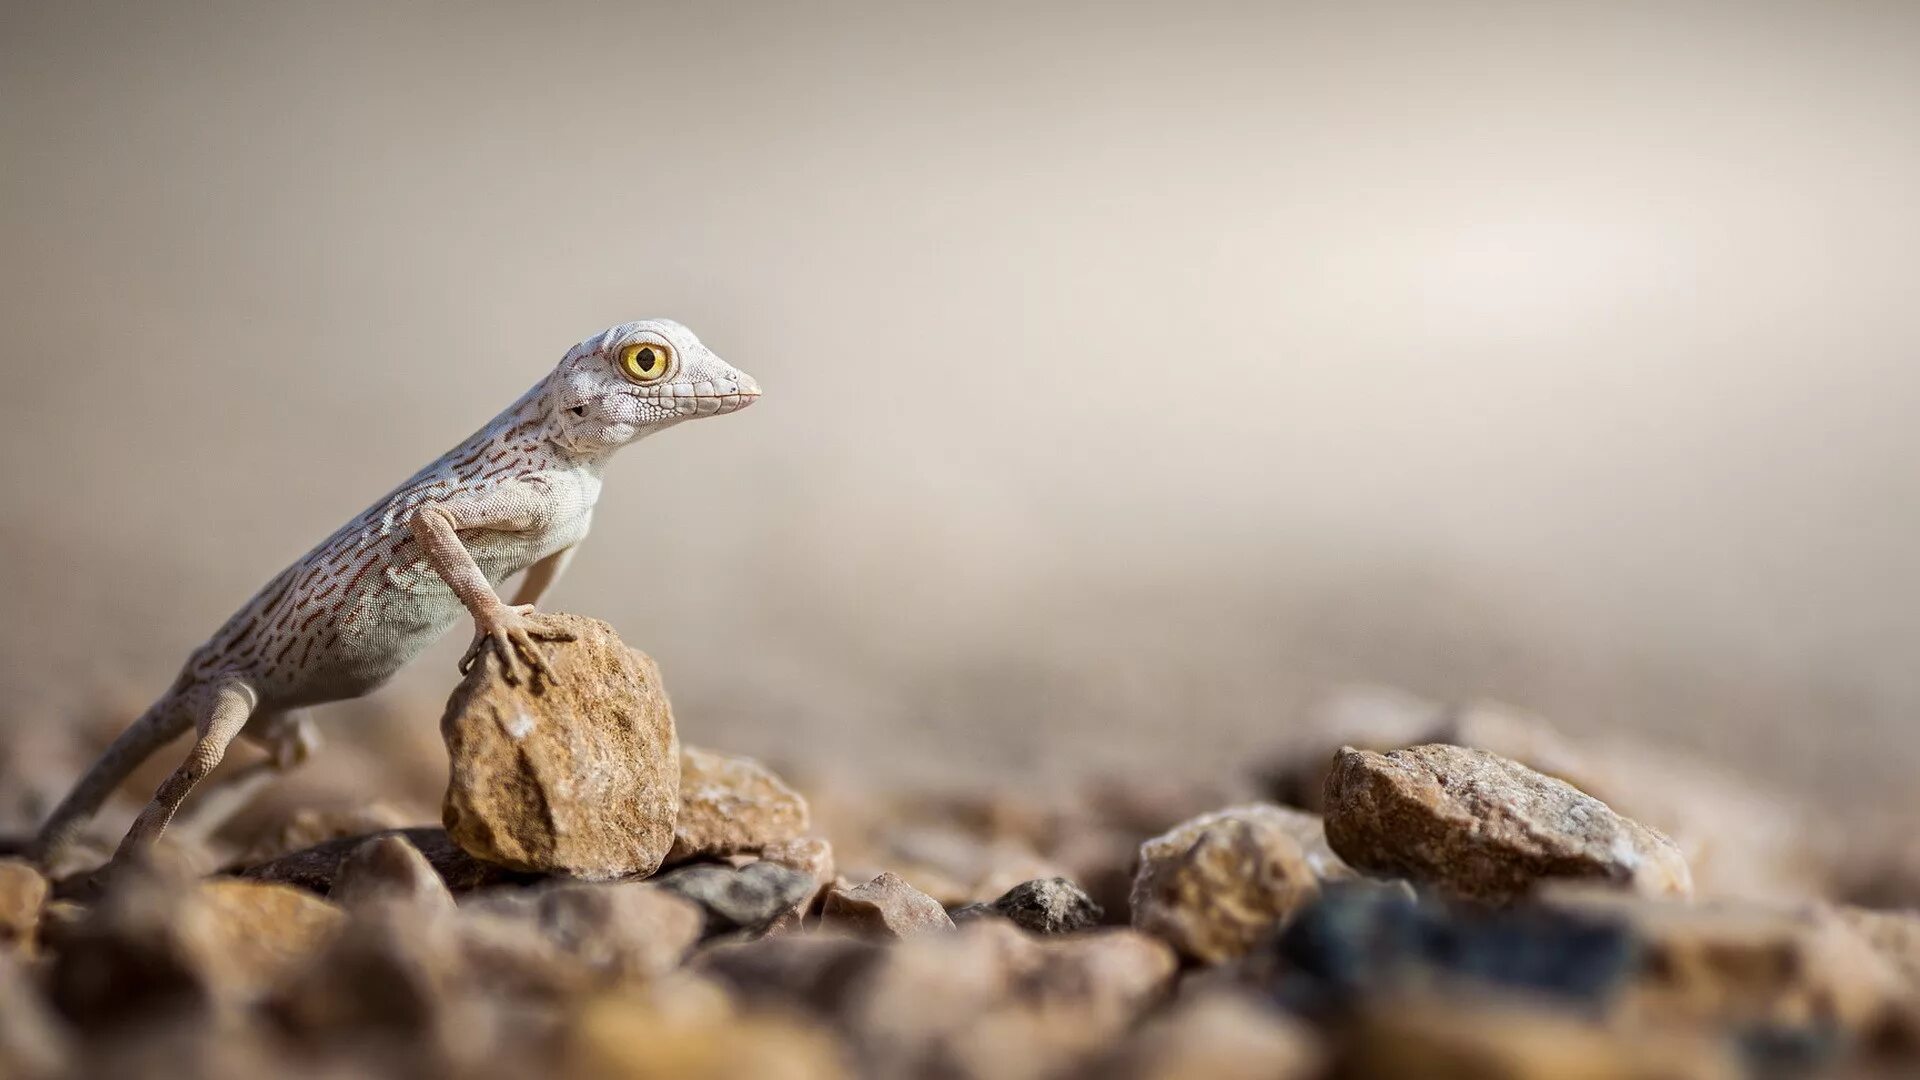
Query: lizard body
[518, 495]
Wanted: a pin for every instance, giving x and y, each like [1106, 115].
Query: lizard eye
[645, 361]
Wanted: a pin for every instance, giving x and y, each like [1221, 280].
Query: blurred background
[1134, 371]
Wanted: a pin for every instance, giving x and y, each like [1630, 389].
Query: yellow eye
[645, 361]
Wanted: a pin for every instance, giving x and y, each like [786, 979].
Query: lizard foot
[513, 634]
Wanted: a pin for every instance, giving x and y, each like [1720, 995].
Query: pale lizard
[516, 495]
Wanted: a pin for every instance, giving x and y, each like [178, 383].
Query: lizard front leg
[511, 631]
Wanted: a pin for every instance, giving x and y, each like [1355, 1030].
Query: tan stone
[993, 1001]
[1461, 1039]
[580, 775]
[387, 869]
[263, 931]
[1215, 885]
[628, 1038]
[730, 805]
[33, 1042]
[155, 943]
[1478, 825]
[1742, 965]
[1218, 1035]
[885, 907]
[1894, 935]
[23, 895]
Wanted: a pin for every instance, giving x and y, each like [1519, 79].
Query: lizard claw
[513, 635]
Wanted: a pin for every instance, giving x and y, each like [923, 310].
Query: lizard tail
[163, 720]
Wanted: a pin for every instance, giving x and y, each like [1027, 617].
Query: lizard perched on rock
[516, 495]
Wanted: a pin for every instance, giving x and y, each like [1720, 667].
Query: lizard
[517, 495]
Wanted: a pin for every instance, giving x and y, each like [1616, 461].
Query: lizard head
[631, 380]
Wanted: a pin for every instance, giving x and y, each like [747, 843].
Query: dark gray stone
[748, 899]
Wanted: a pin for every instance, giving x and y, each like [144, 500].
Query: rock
[580, 775]
[1221, 1036]
[992, 1001]
[1048, 906]
[812, 972]
[1804, 970]
[619, 930]
[811, 856]
[885, 907]
[731, 805]
[23, 895]
[749, 899]
[1894, 935]
[155, 944]
[1483, 827]
[1741, 840]
[630, 1039]
[317, 868]
[967, 913]
[310, 827]
[387, 869]
[412, 993]
[1363, 941]
[33, 1042]
[390, 985]
[1217, 884]
[1452, 1039]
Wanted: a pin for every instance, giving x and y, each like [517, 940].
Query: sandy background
[1134, 371]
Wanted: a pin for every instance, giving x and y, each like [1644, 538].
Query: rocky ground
[1404, 890]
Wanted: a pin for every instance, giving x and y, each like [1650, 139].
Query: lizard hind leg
[224, 710]
[289, 738]
[163, 720]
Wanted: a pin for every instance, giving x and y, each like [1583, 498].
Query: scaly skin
[518, 495]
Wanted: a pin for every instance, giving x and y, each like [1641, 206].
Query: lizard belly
[384, 629]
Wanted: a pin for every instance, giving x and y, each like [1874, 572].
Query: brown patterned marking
[308, 621]
[323, 593]
[282, 654]
[362, 571]
[301, 664]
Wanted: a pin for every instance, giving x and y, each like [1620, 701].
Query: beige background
[1133, 371]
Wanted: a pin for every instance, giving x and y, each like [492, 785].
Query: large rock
[731, 805]
[1217, 884]
[885, 907]
[1478, 825]
[23, 894]
[579, 775]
